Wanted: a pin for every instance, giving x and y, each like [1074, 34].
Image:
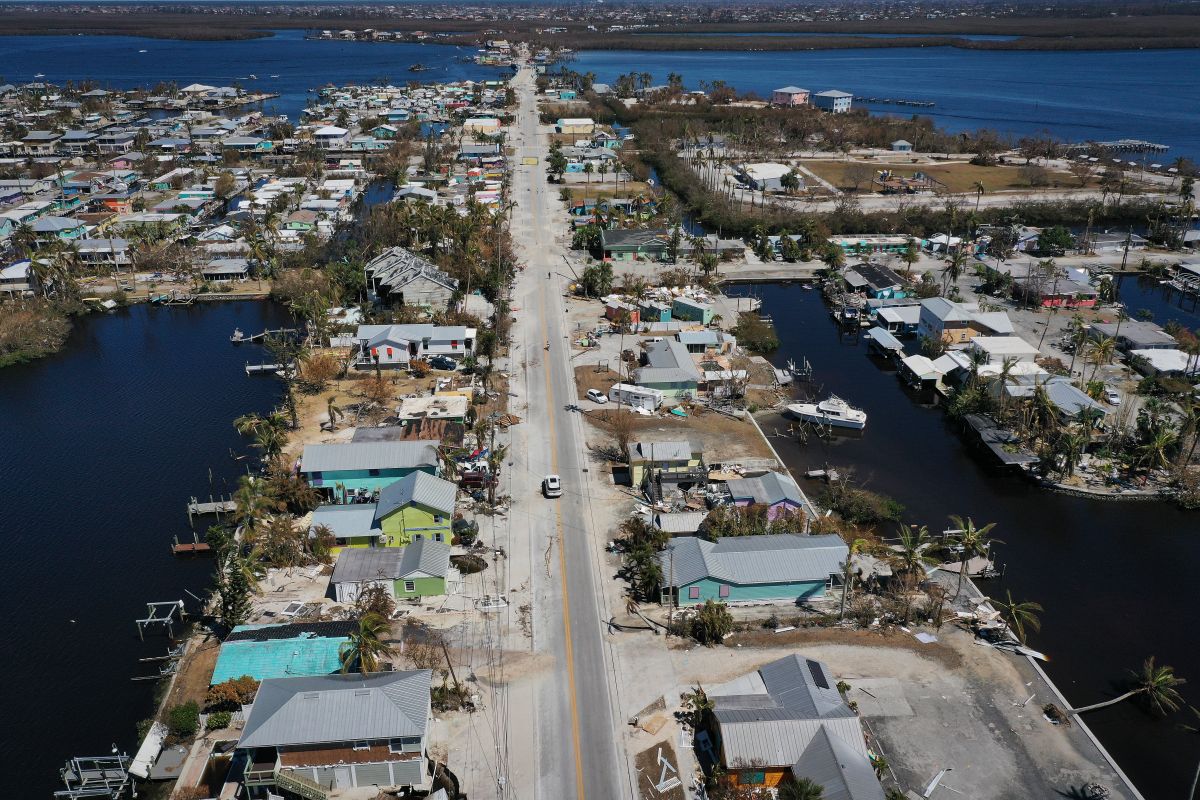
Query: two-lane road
[577, 754]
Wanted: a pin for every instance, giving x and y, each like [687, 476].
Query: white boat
[832, 411]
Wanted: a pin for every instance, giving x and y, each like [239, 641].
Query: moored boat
[832, 411]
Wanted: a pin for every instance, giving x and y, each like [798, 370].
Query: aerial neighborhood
[593, 412]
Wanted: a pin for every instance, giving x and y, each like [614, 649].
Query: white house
[331, 137]
[395, 346]
[833, 100]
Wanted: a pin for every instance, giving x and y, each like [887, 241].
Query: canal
[1116, 579]
[103, 444]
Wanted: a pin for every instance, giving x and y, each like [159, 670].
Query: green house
[689, 310]
[624, 244]
[777, 567]
[418, 506]
[351, 470]
[422, 569]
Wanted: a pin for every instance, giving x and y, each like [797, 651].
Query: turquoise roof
[278, 658]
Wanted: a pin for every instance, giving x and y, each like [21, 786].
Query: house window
[439, 537]
[438, 519]
[694, 593]
[753, 778]
[362, 745]
[374, 473]
[410, 586]
[724, 591]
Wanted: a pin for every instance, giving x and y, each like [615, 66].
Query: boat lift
[162, 613]
[95, 776]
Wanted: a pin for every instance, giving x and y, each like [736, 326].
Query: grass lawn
[959, 177]
[597, 190]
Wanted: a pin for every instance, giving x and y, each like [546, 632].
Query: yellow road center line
[562, 556]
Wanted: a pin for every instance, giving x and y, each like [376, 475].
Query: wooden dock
[196, 508]
[187, 549]
[263, 369]
[238, 337]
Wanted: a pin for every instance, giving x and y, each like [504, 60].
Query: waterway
[1077, 96]
[103, 444]
[286, 64]
[1115, 578]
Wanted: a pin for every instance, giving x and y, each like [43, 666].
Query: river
[103, 444]
[1077, 96]
[1108, 574]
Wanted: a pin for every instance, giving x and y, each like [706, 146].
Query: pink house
[790, 96]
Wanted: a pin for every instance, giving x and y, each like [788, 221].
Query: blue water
[974, 37]
[301, 64]
[1112, 577]
[1075, 95]
[103, 444]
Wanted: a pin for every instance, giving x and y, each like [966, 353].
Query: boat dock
[196, 508]
[890, 101]
[238, 337]
[263, 369]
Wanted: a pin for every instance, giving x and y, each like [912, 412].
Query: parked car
[1112, 396]
[474, 480]
[443, 362]
[551, 486]
[596, 396]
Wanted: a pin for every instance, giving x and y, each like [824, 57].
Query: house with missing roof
[290, 650]
[347, 471]
[307, 736]
[787, 721]
[770, 568]
[417, 506]
[421, 569]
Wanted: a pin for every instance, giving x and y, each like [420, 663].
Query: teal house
[669, 368]
[344, 472]
[290, 650]
[689, 310]
[778, 567]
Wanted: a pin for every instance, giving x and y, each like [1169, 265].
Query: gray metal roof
[346, 521]
[426, 557]
[770, 717]
[679, 450]
[843, 772]
[420, 488]
[369, 455]
[330, 709]
[767, 489]
[360, 564]
[750, 560]
[683, 522]
[398, 267]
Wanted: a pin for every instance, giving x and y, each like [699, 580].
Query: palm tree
[801, 789]
[1153, 453]
[972, 541]
[365, 646]
[1157, 684]
[1020, 615]
[915, 544]
[334, 412]
[953, 269]
[979, 190]
[1102, 352]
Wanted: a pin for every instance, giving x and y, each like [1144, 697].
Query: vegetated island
[218, 23]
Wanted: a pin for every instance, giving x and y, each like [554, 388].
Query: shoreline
[1040, 674]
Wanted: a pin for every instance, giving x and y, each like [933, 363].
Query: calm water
[976, 37]
[1078, 96]
[103, 444]
[1115, 578]
[301, 64]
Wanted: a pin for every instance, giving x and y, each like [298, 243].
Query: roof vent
[311, 695]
